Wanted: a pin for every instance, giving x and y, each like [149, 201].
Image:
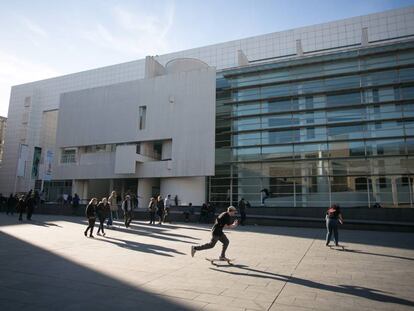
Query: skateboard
[214, 261]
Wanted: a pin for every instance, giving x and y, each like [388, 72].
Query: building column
[394, 191]
[85, 190]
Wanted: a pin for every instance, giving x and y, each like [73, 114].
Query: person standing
[113, 208]
[222, 221]
[242, 209]
[176, 200]
[152, 207]
[160, 209]
[91, 215]
[167, 207]
[11, 204]
[102, 211]
[333, 216]
[127, 207]
[203, 213]
[75, 203]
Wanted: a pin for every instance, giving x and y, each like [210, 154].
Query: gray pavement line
[291, 274]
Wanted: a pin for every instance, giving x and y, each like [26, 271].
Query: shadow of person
[44, 224]
[142, 247]
[356, 251]
[137, 230]
[359, 291]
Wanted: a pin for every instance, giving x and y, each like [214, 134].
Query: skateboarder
[222, 221]
[333, 216]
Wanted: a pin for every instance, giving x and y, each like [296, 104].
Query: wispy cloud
[33, 27]
[135, 33]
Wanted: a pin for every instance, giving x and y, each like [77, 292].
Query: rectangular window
[142, 116]
[68, 156]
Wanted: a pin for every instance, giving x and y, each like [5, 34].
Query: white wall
[109, 115]
[192, 189]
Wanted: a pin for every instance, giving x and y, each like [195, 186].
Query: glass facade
[316, 130]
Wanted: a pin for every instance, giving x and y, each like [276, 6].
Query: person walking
[30, 204]
[160, 209]
[167, 207]
[127, 207]
[102, 210]
[21, 207]
[222, 221]
[113, 213]
[152, 207]
[333, 216]
[91, 215]
[242, 208]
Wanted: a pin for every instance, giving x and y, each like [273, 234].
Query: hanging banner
[24, 150]
[48, 165]
[36, 161]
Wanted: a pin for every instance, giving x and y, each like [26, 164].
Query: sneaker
[91, 236]
[193, 251]
[223, 258]
[103, 234]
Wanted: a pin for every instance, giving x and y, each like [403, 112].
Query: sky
[41, 39]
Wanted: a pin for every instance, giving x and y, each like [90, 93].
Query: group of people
[161, 208]
[24, 203]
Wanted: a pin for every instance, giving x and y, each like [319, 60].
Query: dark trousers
[128, 218]
[91, 222]
[29, 212]
[152, 217]
[21, 214]
[214, 238]
[101, 224]
[160, 216]
[331, 226]
[10, 209]
[243, 218]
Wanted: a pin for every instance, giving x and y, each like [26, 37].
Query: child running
[222, 221]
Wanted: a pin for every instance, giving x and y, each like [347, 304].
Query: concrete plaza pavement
[48, 264]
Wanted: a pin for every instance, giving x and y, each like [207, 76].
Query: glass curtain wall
[336, 128]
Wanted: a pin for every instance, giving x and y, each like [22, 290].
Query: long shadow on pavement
[356, 251]
[388, 239]
[141, 247]
[35, 279]
[359, 291]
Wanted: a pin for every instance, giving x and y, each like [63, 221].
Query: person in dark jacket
[102, 211]
[91, 215]
[203, 213]
[21, 207]
[128, 207]
[11, 204]
[333, 216]
[152, 208]
[30, 205]
[160, 208]
[242, 209]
